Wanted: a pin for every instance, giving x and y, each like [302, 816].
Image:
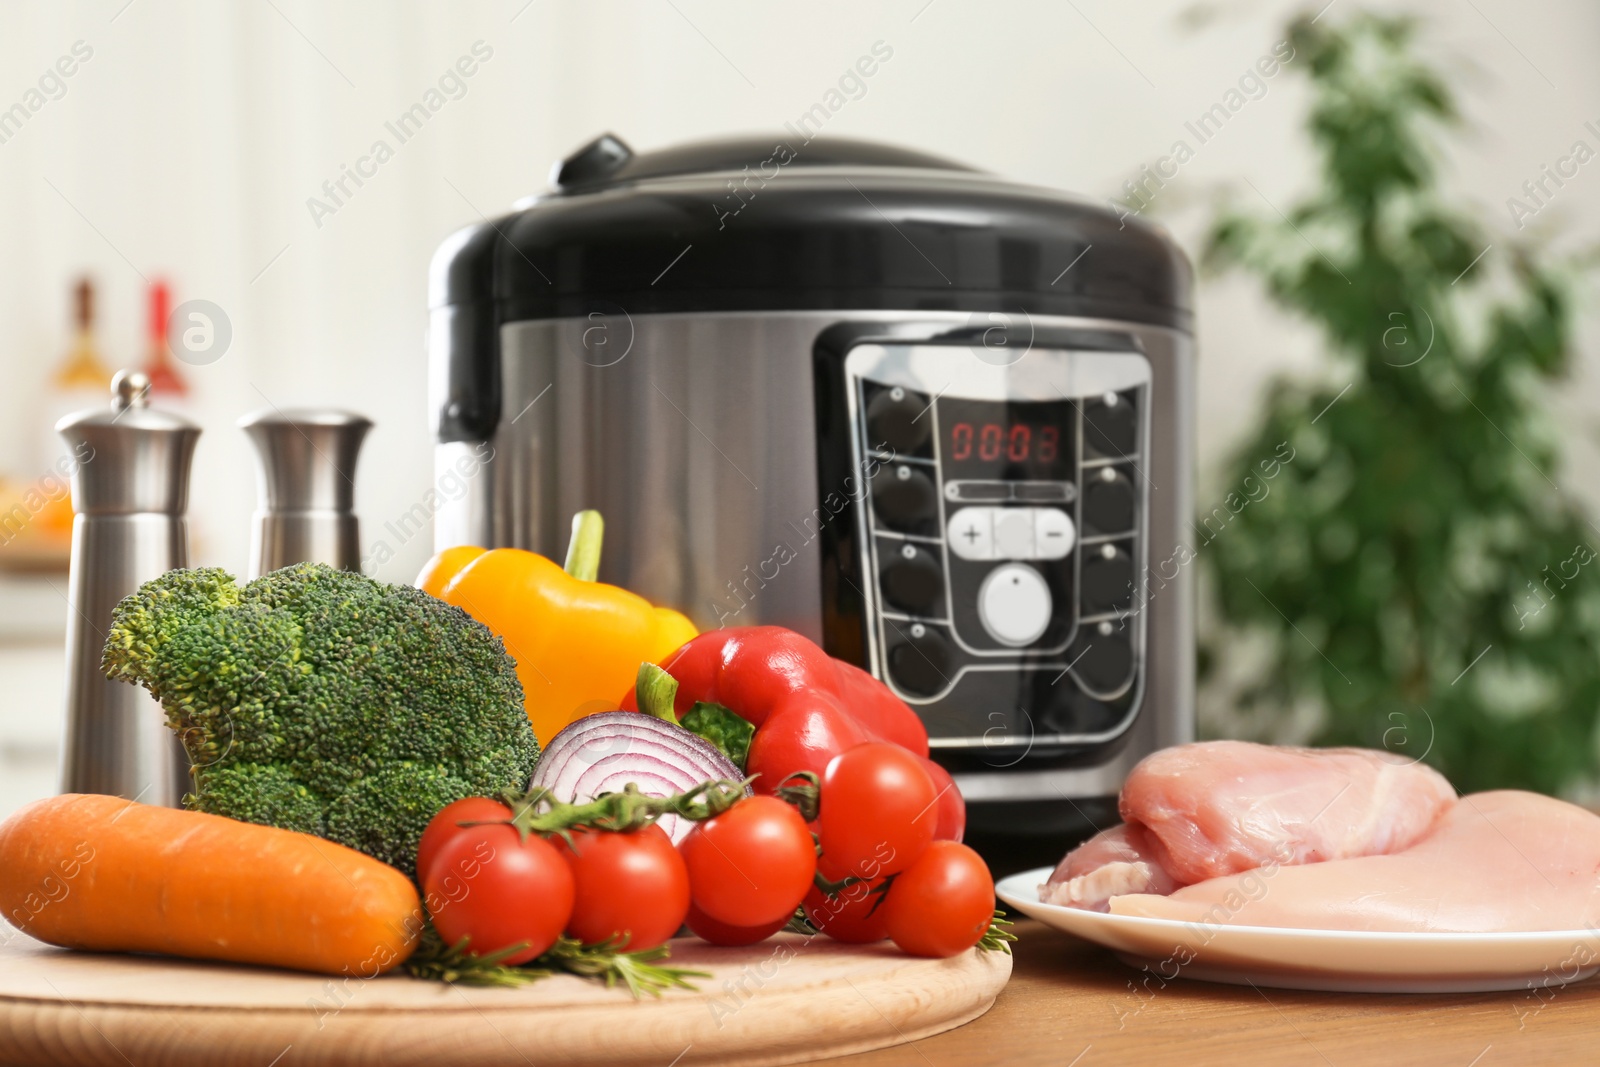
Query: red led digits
[989, 439]
[1004, 441]
[1020, 438]
[961, 441]
[1048, 437]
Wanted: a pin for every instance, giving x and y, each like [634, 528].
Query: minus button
[1054, 533]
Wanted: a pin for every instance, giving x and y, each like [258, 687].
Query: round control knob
[920, 663]
[1014, 604]
[904, 498]
[1107, 580]
[1108, 502]
[913, 580]
[1109, 426]
[898, 419]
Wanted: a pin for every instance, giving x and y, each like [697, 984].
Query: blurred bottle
[170, 387]
[165, 380]
[35, 503]
[83, 369]
[80, 380]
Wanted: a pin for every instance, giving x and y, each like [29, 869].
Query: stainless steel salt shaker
[307, 465]
[130, 490]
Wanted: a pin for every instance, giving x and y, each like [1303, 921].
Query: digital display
[1012, 441]
[1016, 442]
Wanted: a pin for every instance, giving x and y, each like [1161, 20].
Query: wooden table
[1071, 1004]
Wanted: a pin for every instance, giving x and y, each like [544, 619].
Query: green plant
[322, 701]
[1413, 572]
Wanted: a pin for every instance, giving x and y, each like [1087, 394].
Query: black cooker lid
[606, 160]
[781, 223]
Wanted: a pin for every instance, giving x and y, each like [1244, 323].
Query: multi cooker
[939, 422]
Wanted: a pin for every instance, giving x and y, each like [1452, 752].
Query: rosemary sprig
[997, 938]
[605, 961]
[436, 961]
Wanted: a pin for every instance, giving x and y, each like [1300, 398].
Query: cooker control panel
[1002, 536]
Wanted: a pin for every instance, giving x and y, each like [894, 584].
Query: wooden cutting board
[788, 999]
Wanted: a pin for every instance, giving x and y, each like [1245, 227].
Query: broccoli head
[323, 701]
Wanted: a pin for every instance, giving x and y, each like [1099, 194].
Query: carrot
[109, 875]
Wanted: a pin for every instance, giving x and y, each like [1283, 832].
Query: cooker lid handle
[594, 162]
[608, 160]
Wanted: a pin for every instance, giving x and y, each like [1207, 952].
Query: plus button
[971, 533]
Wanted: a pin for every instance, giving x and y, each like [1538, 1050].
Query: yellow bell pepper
[577, 642]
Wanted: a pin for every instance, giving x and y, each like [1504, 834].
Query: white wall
[190, 141]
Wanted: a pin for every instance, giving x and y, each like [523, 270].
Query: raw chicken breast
[1502, 861]
[1221, 807]
[1110, 863]
[1216, 808]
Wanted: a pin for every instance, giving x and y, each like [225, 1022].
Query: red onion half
[604, 752]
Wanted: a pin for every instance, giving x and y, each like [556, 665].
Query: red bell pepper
[806, 706]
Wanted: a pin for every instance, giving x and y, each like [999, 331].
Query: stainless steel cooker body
[748, 483]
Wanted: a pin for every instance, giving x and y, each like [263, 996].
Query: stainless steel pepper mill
[307, 463]
[130, 490]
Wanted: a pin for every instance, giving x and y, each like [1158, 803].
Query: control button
[1110, 425]
[1083, 714]
[971, 533]
[978, 490]
[898, 419]
[1053, 533]
[1052, 491]
[1107, 580]
[1013, 533]
[903, 497]
[913, 580]
[1108, 502]
[1102, 659]
[920, 663]
[1014, 604]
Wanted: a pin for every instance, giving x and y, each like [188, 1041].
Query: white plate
[1345, 961]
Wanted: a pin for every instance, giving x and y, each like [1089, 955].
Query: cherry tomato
[941, 905]
[802, 733]
[879, 810]
[752, 864]
[488, 884]
[446, 824]
[720, 933]
[952, 807]
[632, 884]
[857, 915]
